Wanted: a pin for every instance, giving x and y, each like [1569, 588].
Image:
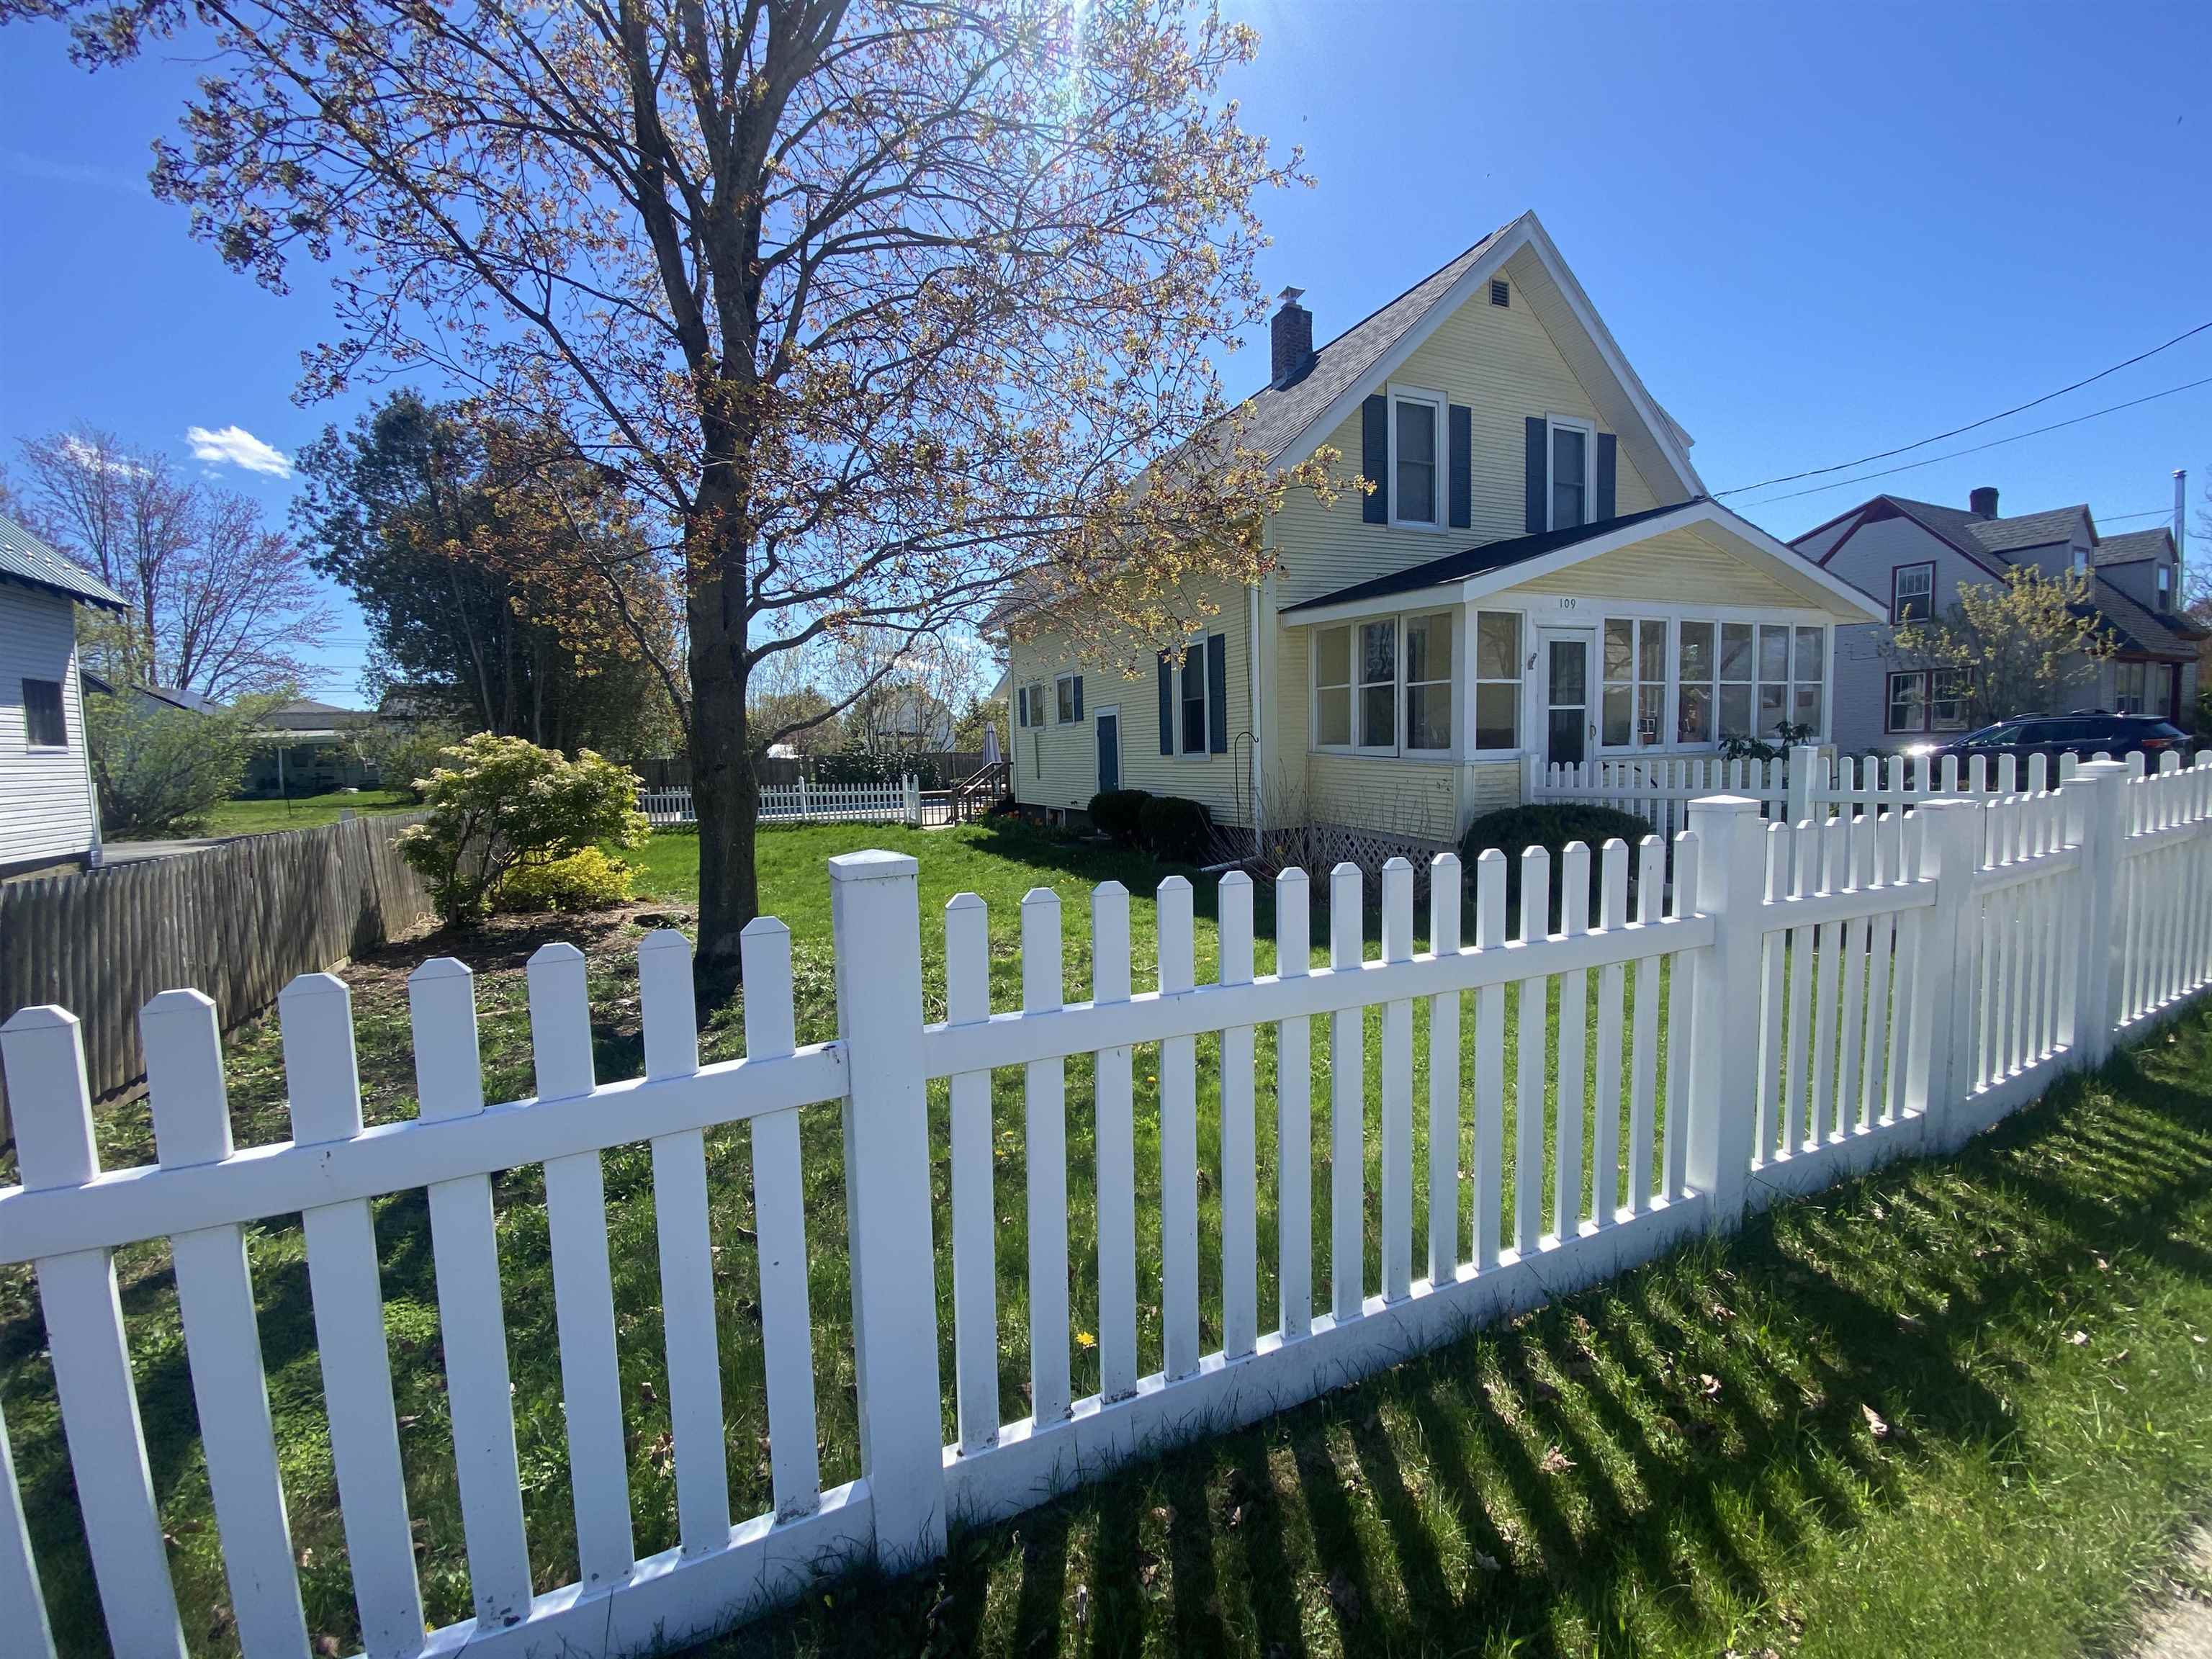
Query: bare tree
[221, 604]
[876, 305]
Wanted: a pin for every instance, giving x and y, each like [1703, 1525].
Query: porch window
[1694, 722]
[1949, 689]
[1414, 421]
[1194, 701]
[1497, 679]
[1773, 678]
[1633, 668]
[1428, 682]
[1737, 680]
[1571, 447]
[1378, 684]
[1332, 688]
[2129, 682]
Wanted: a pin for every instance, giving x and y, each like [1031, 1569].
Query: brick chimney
[1291, 337]
[1983, 502]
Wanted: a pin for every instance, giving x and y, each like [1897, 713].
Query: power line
[1884, 454]
[1976, 449]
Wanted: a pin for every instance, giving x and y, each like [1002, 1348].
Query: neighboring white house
[1916, 556]
[1540, 577]
[49, 814]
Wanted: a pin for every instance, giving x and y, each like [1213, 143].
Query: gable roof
[1288, 422]
[1990, 542]
[2135, 545]
[24, 558]
[1529, 556]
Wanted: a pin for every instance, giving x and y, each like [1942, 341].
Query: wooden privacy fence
[239, 921]
[1831, 994]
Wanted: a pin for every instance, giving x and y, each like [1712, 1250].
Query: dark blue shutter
[1462, 461]
[1375, 458]
[1167, 705]
[1216, 694]
[1605, 464]
[1078, 699]
[1535, 511]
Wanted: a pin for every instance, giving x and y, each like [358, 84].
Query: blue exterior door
[1109, 722]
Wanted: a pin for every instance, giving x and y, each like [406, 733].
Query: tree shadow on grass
[1660, 1447]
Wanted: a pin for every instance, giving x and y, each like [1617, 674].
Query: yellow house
[1540, 579]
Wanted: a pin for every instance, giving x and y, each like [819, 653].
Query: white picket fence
[802, 803]
[1832, 994]
[1660, 788]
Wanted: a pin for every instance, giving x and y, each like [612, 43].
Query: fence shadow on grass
[1646, 1448]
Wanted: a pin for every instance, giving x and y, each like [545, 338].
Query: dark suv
[2085, 733]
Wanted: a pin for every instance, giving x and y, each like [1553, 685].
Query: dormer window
[1571, 451]
[2165, 586]
[1417, 420]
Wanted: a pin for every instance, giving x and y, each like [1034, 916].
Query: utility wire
[1976, 449]
[1884, 454]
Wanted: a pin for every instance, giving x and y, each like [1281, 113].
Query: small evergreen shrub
[1119, 814]
[1512, 828]
[1180, 831]
[585, 880]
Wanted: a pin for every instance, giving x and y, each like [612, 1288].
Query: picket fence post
[1799, 782]
[1951, 852]
[875, 920]
[2104, 831]
[913, 787]
[1731, 888]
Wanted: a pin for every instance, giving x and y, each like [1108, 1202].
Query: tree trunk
[725, 783]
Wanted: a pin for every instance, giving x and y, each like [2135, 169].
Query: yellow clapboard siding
[1679, 567]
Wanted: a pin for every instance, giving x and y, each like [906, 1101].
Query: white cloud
[235, 445]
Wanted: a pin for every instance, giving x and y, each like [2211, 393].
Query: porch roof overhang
[1478, 572]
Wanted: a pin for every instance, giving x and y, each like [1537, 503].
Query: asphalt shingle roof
[2028, 529]
[2134, 545]
[1480, 561]
[25, 558]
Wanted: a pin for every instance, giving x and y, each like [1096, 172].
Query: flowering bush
[502, 806]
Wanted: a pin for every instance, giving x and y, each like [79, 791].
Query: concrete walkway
[138, 852]
[2181, 1626]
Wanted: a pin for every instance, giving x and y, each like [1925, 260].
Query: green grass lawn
[1347, 1526]
[261, 817]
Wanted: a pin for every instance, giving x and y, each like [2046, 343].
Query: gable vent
[1499, 294]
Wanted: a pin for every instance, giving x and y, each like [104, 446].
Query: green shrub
[586, 880]
[1515, 828]
[161, 771]
[1119, 813]
[1178, 831]
[502, 804]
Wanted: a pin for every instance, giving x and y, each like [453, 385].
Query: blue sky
[1817, 231]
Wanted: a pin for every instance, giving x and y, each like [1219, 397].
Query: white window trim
[1524, 648]
[1059, 680]
[1589, 429]
[1458, 749]
[1359, 687]
[1674, 616]
[1437, 401]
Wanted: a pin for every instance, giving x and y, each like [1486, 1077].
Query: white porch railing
[1912, 978]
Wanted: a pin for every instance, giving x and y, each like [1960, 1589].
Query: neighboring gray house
[1916, 556]
[49, 813]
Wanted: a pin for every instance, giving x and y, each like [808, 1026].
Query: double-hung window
[1907, 703]
[1192, 698]
[1571, 447]
[1773, 678]
[1693, 720]
[1808, 664]
[1911, 592]
[1497, 679]
[1387, 685]
[1947, 690]
[2129, 682]
[1332, 688]
[1417, 421]
[1067, 699]
[1033, 705]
